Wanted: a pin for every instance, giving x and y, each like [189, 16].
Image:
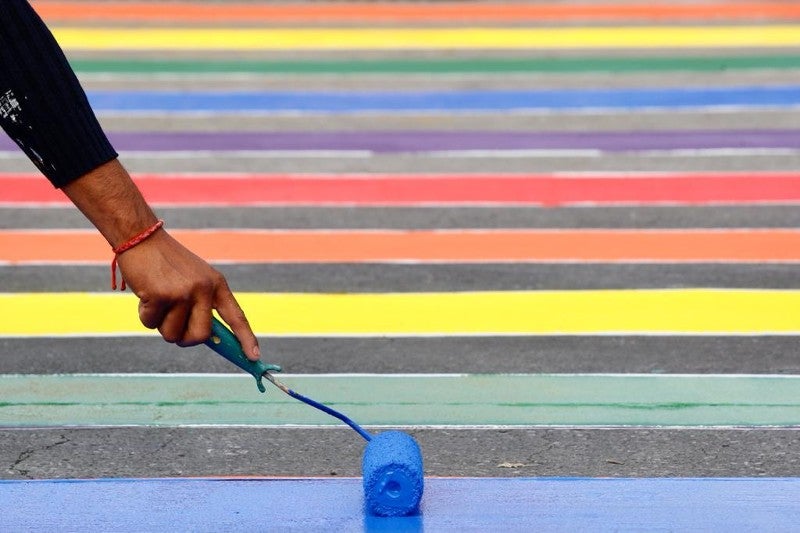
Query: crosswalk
[547, 239]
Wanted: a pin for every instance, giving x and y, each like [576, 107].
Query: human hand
[177, 291]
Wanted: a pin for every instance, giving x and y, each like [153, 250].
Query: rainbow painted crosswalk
[555, 241]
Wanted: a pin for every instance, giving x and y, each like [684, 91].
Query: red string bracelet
[127, 246]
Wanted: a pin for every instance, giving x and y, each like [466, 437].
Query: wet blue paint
[405, 101]
[463, 504]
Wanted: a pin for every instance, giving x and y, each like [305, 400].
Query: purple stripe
[424, 141]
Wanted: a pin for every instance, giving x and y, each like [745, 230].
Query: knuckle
[218, 279]
[204, 285]
[170, 337]
[149, 323]
[239, 318]
[149, 319]
[189, 341]
[195, 336]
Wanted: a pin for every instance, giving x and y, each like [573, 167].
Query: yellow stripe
[426, 38]
[529, 313]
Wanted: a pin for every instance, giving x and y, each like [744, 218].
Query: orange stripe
[408, 12]
[255, 246]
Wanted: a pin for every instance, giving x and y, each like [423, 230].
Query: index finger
[230, 311]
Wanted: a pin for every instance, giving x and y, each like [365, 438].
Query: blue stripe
[343, 102]
[450, 504]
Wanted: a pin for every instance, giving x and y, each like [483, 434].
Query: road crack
[25, 454]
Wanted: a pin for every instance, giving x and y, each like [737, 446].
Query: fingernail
[257, 352]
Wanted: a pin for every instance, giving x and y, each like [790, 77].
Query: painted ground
[557, 242]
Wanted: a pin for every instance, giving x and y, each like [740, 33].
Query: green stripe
[441, 66]
[529, 399]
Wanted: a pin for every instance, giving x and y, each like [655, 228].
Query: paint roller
[392, 462]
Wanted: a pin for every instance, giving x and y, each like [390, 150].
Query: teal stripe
[530, 399]
[441, 66]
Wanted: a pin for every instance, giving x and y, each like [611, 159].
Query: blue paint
[392, 461]
[460, 504]
[392, 475]
[391, 466]
[405, 101]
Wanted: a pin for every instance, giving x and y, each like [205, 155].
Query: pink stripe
[451, 189]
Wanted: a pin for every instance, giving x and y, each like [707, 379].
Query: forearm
[112, 202]
[42, 105]
[44, 109]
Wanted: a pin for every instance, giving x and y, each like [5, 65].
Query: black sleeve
[42, 105]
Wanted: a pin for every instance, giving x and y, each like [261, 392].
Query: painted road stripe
[444, 12]
[606, 400]
[435, 189]
[711, 63]
[624, 37]
[479, 143]
[451, 246]
[667, 311]
[405, 101]
[465, 504]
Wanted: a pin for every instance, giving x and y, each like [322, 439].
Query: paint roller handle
[225, 343]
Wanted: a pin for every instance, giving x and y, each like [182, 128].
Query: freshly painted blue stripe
[344, 102]
[450, 504]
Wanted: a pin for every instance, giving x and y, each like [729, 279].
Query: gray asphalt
[454, 163]
[423, 82]
[596, 120]
[357, 277]
[153, 452]
[763, 216]
[552, 354]
[187, 452]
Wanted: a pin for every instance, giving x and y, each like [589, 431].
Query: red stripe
[412, 12]
[397, 190]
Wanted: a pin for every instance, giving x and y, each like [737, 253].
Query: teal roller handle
[225, 343]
